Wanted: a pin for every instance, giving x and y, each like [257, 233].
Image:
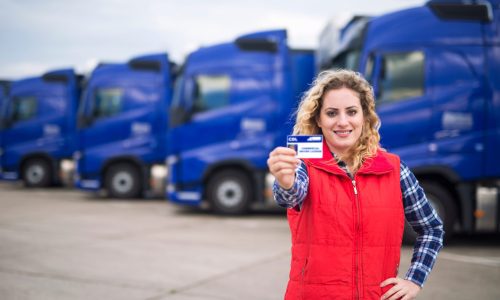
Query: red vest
[346, 239]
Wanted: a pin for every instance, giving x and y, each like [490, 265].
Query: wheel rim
[230, 193]
[122, 182]
[35, 174]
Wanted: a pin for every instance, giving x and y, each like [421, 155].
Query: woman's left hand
[403, 289]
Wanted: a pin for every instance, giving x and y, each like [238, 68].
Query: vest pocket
[299, 262]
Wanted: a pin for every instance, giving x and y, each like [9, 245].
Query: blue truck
[122, 127]
[232, 105]
[434, 70]
[4, 91]
[38, 127]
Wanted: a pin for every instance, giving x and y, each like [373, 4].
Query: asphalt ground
[66, 244]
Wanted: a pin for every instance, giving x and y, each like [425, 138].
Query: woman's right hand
[282, 164]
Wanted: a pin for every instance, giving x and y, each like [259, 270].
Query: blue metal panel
[4, 86]
[453, 128]
[51, 130]
[459, 92]
[265, 87]
[138, 130]
[412, 27]
[492, 67]
[447, 125]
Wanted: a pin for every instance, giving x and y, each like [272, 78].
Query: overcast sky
[37, 36]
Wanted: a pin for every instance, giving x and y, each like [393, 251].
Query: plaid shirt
[418, 212]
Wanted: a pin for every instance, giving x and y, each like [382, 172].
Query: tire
[230, 192]
[442, 201]
[37, 173]
[123, 181]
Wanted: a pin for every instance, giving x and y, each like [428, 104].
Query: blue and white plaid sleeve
[293, 197]
[426, 223]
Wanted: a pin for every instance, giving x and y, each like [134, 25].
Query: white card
[306, 146]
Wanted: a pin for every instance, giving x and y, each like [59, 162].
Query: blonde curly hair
[310, 106]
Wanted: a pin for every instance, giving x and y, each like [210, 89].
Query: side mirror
[178, 115]
[3, 124]
[6, 122]
[84, 121]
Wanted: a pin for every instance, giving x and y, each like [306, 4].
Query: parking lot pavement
[64, 244]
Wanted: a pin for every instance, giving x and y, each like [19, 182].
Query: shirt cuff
[286, 197]
[416, 275]
[286, 192]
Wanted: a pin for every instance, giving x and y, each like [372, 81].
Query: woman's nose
[342, 120]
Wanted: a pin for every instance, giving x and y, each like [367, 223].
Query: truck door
[458, 95]
[21, 131]
[212, 121]
[402, 102]
[228, 108]
[104, 123]
[3, 102]
[117, 117]
[33, 119]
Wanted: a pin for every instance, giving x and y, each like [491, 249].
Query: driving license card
[306, 146]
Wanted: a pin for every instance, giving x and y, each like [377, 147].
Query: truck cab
[434, 73]
[122, 125]
[4, 92]
[233, 104]
[38, 127]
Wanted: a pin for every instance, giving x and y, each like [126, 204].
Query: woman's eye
[331, 113]
[351, 112]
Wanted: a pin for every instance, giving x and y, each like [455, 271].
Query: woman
[347, 209]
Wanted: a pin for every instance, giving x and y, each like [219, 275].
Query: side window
[346, 60]
[211, 92]
[24, 108]
[401, 76]
[107, 102]
[370, 63]
[178, 91]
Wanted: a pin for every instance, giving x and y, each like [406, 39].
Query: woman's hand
[282, 164]
[403, 289]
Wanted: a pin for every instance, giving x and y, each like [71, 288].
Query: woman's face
[341, 119]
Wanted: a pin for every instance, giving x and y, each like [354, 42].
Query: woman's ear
[316, 118]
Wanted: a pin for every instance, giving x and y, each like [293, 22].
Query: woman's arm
[429, 228]
[426, 223]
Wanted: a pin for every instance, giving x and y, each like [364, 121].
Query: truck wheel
[443, 203]
[123, 181]
[37, 173]
[230, 192]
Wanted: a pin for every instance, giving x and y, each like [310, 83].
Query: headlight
[159, 171]
[67, 165]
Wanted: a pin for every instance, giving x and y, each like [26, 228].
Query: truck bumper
[87, 183]
[10, 176]
[184, 197]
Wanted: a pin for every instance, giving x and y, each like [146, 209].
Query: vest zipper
[356, 269]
